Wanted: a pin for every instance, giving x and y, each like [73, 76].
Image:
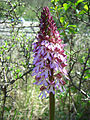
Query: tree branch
[83, 71]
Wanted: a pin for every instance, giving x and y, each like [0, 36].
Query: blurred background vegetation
[19, 24]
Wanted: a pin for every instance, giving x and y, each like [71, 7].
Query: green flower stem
[52, 106]
[51, 101]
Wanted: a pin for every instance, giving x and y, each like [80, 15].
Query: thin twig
[83, 71]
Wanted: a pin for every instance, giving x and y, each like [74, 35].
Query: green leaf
[13, 45]
[56, 0]
[13, 37]
[78, 2]
[86, 77]
[20, 74]
[1, 52]
[73, 89]
[60, 8]
[86, 7]
[26, 48]
[62, 19]
[6, 109]
[15, 112]
[3, 47]
[18, 70]
[82, 12]
[71, 30]
[6, 43]
[66, 24]
[52, 1]
[8, 57]
[87, 71]
[66, 6]
[16, 76]
[11, 69]
[62, 33]
[72, 26]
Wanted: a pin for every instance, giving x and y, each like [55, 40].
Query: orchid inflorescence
[49, 56]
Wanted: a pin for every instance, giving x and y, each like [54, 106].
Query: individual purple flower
[49, 56]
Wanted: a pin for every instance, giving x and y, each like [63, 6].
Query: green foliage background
[18, 96]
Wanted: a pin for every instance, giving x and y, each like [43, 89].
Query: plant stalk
[52, 106]
[51, 101]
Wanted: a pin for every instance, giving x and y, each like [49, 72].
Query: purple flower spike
[49, 56]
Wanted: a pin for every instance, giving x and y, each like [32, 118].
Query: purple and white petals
[49, 55]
